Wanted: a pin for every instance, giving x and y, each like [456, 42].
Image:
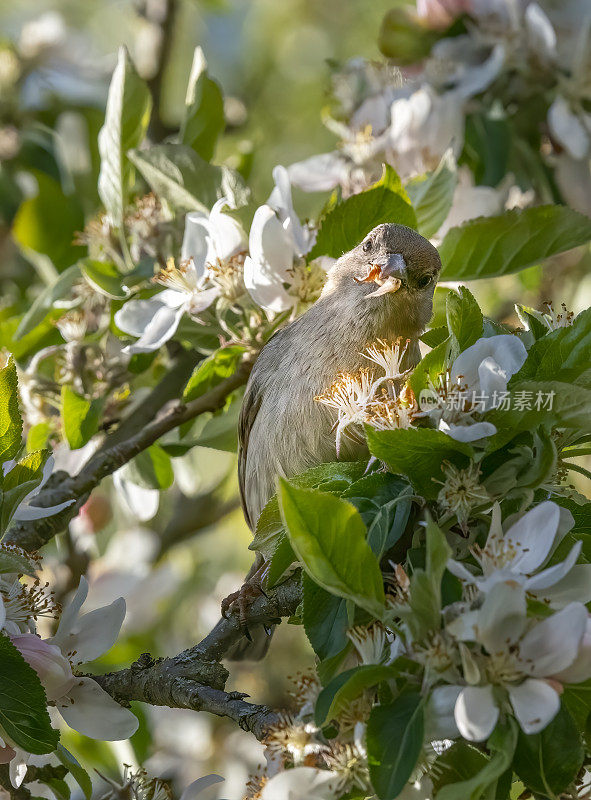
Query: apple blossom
[210, 242]
[82, 703]
[521, 658]
[520, 553]
[275, 274]
[476, 383]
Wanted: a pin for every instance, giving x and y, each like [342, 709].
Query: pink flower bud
[440, 14]
[54, 671]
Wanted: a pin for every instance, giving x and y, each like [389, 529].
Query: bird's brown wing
[248, 413]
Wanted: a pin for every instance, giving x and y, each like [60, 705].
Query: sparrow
[381, 289]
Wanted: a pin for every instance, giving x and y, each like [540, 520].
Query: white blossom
[209, 242]
[483, 370]
[522, 658]
[520, 554]
[275, 273]
[79, 639]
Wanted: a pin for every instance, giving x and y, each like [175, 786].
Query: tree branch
[195, 679]
[62, 487]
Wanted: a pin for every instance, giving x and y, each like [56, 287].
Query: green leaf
[532, 320]
[460, 763]
[14, 559]
[332, 477]
[80, 417]
[486, 148]
[432, 195]
[325, 619]
[464, 318]
[345, 225]
[563, 355]
[47, 222]
[394, 741]
[203, 120]
[329, 538]
[435, 336]
[425, 585]
[43, 303]
[129, 106]
[383, 500]
[490, 246]
[427, 374]
[11, 424]
[23, 705]
[348, 686]
[38, 436]
[104, 277]
[213, 370]
[177, 174]
[571, 408]
[78, 772]
[418, 453]
[502, 746]
[547, 762]
[151, 469]
[281, 560]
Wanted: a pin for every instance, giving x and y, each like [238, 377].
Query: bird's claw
[239, 603]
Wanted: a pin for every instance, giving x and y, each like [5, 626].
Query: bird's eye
[424, 281]
[367, 245]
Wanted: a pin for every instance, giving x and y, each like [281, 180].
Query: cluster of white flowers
[79, 639]
[409, 118]
[495, 654]
[219, 261]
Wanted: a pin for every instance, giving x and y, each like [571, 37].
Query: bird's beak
[388, 272]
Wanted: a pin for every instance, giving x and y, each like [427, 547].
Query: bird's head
[394, 268]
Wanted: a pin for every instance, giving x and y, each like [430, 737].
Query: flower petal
[26, 512]
[280, 199]
[502, 617]
[71, 611]
[266, 289]
[532, 536]
[141, 503]
[507, 350]
[476, 713]
[535, 704]
[575, 586]
[89, 710]
[134, 316]
[460, 571]
[319, 173]
[270, 243]
[468, 433]
[580, 669]
[551, 575]
[568, 129]
[195, 240]
[159, 330]
[553, 644]
[226, 235]
[93, 633]
[299, 783]
[198, 786]
[440, 722]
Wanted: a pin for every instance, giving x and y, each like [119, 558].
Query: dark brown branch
[195, 679]
[62, 487]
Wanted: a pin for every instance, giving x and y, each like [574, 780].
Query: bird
[381, 289]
